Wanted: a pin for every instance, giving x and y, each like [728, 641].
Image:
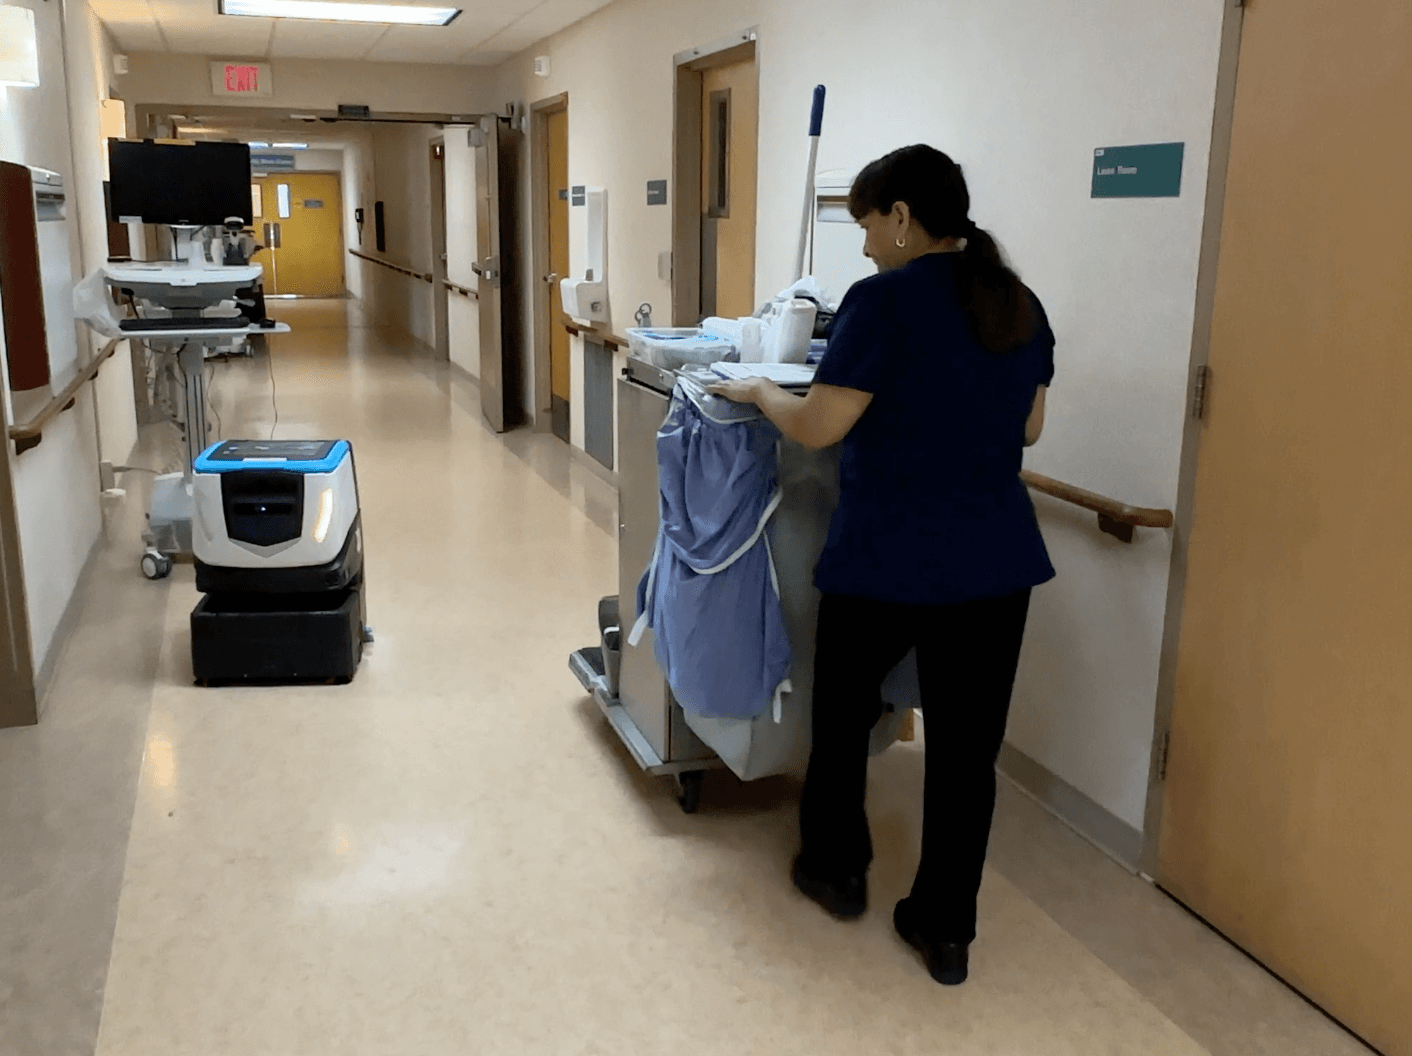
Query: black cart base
[279, 638]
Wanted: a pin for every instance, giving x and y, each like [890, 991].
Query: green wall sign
[1150, 171]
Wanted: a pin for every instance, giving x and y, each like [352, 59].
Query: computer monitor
[195, 184]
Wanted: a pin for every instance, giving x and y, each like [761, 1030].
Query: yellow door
[262, 194]
[301, 227]
[1287, 816]
[557, 129]
[730, 139]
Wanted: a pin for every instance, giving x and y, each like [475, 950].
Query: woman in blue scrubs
[934, 383]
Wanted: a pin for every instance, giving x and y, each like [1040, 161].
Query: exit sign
[241, 78]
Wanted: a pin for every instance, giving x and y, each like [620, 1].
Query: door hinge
[1201, 386]
[1163, 753]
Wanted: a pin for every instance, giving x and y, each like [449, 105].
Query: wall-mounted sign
[578, 195]
[313, 203]
[241, 78]
[271, 162]
[1153, 170]
[656, 192]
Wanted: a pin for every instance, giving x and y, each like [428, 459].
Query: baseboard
[598, 469]
[1095, 823]
[462, 374]
[68, 623]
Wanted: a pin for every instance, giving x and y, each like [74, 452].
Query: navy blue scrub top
[931, 510]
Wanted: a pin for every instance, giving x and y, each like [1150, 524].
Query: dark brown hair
[999, 307]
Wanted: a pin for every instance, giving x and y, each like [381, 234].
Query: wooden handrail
[462, 290]
[29, 433]
[606, 337]
[421, 276]
[1116, 518]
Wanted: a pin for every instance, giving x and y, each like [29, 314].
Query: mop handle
[816, 128]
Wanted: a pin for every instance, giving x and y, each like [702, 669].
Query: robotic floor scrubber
[278, 542]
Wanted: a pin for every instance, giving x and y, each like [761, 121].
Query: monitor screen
[179, 183]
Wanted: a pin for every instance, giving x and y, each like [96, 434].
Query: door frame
[19, 697]
[686, 163]
[541, 415]
[1149, 861]
[440, 237]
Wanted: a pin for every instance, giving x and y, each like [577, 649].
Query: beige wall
[56, 483]
[315, 84]
[1021, 94]
[90, 52]
[392, 163]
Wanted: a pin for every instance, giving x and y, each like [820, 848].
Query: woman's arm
[1035, 425]
[820, 419]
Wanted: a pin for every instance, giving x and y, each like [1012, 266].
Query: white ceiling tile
[323, 40]
[136, 36]
[483, 35]
[542, 21]
[441, 44]
[124, 12]
[226, 37]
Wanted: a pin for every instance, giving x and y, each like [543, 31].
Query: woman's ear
[901, 217]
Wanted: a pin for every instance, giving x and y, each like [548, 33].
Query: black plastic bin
[277, 637]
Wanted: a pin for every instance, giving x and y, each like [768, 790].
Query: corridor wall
[56, 483]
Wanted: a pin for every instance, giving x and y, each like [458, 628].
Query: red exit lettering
[242, 78]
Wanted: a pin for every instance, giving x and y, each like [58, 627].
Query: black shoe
[946, 961]
[845, 899]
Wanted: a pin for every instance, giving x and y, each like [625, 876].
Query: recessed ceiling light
[342, 11]
[291, 146]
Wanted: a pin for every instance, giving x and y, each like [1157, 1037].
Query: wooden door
[440, 296]
[497, 150]
[264, 204]
[729, 164]
[301, 228]
[1287, 818]
[556, 126]
[311, 251]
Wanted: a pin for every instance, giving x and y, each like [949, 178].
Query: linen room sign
[1150, 171]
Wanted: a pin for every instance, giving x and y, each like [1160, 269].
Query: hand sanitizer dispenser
[586, 299]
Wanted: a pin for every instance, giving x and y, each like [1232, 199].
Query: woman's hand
[749, 390]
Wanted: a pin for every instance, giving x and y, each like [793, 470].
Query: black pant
[966, 658]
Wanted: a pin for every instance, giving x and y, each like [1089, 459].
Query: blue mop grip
[816, 118]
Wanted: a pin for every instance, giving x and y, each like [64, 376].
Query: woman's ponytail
[996, 302]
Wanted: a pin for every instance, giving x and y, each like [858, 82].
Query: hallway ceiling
[486, 33]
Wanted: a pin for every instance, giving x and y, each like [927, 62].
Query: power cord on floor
[274, 390]
[220, 426]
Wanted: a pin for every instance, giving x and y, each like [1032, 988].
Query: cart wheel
[156, 565]
[689, 790]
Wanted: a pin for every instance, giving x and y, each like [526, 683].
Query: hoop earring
[901, 243]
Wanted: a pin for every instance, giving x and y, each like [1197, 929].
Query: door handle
[279, 236]
[269, 236]
[551, 278]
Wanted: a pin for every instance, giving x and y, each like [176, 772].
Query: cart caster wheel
[155, 565]
[689, 790]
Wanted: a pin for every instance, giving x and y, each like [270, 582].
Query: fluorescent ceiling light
[257, 145]
[291, 146]
[342, 11]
